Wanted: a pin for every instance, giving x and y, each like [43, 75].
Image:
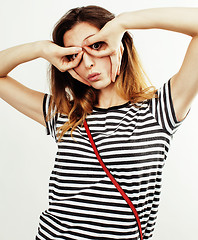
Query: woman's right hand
[58, 56]
[22, 98]
[62, 58]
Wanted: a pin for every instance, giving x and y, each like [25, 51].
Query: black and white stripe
[133, 143]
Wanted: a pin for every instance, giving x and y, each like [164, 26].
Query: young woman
[96, 75]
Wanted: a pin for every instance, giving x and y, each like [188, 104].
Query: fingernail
[78, 49]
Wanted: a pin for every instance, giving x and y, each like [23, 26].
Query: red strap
[113, 179]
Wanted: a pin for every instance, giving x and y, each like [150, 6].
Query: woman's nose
[88, 60]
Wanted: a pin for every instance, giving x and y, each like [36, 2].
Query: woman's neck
[108, 97]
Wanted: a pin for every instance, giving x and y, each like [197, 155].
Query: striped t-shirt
[133, 141]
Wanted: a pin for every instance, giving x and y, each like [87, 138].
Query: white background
[27, 154]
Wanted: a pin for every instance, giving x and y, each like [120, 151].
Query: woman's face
[96, 71]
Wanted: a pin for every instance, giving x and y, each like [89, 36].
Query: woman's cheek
[79, 71]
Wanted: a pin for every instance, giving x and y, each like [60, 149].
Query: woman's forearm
[12, 57]
[182, 20]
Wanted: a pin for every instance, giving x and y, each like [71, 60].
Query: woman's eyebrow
[88, 36]
[83, 40]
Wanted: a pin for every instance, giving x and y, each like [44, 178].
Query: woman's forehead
[80, 32]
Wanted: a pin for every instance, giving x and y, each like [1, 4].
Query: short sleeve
[163, 110]
[50, 123]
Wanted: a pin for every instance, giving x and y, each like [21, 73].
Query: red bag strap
[113, 179]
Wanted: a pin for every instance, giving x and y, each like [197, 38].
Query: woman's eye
[96, 46]
[72, 57]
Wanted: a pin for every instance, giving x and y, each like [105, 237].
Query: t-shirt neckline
[112, 108]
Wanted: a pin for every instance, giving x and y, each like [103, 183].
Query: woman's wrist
[122, 20]
[41, 48]
[141, 19]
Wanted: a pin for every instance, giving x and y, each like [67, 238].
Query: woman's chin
[99, 85]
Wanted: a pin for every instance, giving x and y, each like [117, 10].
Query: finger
[120, 57]
[75, 75]
[74, 63]
[98, 53]
[119, 61]
[64, 64]
[71, 50]
[114, 67]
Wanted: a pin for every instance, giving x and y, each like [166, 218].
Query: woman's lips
[93, 76]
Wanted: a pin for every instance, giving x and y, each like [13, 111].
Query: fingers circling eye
[72, 57]
[96, 46]
[74, 60]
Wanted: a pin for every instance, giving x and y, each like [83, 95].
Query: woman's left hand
[111, 34]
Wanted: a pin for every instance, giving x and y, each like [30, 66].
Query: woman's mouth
[93, 76]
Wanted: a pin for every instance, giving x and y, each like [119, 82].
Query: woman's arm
[17, 95]
[26, 100]
[184, 84]
[183, 20]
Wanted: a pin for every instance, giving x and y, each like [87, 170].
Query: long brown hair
[76, 99]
